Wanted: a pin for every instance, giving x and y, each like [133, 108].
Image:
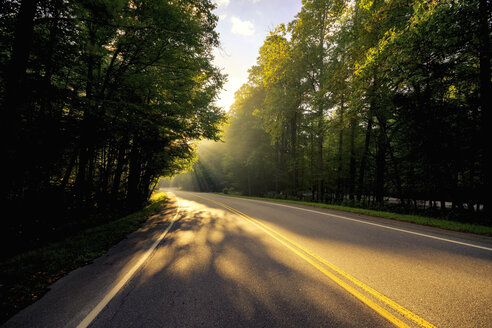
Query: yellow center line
[296, 248]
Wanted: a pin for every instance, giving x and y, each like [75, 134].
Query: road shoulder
[76, 294]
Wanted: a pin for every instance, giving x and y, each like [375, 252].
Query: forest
[99, 99]
[368, 103]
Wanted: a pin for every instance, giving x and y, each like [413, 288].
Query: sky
[243, 26]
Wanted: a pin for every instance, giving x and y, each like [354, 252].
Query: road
[218, 261]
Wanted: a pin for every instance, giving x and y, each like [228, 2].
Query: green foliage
[26, 277]
[100, 99]
[365, 101]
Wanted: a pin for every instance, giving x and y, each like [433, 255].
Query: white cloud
[242, 27]
[255, 1]
[222, 3]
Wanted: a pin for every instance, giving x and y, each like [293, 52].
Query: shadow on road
[215, 269]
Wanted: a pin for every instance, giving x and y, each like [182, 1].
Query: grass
[24, 278]
[423, 220]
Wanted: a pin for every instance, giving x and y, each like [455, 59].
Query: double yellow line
[322, 265]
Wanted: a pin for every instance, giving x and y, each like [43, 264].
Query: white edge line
[370, 223]
[102, 304]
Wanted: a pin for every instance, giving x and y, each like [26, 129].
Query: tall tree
[114, 94]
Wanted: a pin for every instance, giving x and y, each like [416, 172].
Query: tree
[373, 99]
[115, 93]
[312, 32]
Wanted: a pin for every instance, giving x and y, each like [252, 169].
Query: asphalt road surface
[217, 261]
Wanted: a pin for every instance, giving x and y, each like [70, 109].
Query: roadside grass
[24, 278]
[423, 220]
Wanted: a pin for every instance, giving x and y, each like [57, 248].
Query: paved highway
[217, 261]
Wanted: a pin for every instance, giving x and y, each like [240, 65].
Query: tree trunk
[312, 180]
[68, 172]
[81, 187]
[15, 98]
[485, 95]
[380, 165]
[363, 162]
[319, 173]
[119, 168]
[352, 169]
[21, 48]
[277, 167]
[396, 169]
[340, 155]
[134, 176]
[293, 131]
[370, 120]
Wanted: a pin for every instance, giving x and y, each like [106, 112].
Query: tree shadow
[347, 233]
[217, 270]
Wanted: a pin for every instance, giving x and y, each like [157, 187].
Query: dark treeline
[99, 99]
[359, 102]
